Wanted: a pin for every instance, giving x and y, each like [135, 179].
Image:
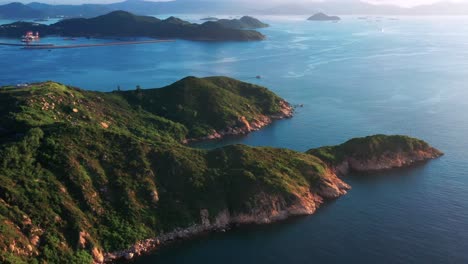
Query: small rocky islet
[95, 177]
[323, 17]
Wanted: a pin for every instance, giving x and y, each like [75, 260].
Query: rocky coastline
[270, 209]
[274, 209]
[244, 127]
[386, 161]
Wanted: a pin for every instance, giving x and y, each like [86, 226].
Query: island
[209, 19]
[18, 11]
[245, 22]
[125, 24]
[96, 177]
[323, 17]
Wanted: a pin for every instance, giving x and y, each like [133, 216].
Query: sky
[404, 3]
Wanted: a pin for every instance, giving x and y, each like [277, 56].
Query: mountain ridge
[153, 8]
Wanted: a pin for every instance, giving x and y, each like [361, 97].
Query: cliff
[374, 153]
[124, 24]
[88, 176]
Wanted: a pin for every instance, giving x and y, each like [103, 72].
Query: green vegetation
[84, 171]
[124, 24]
[245, 22]
[79, 161]
[372, 146]
[204, 105]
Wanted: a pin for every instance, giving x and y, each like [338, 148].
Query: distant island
[323, 17]
[92, 177]
[209, 19]
[124, 24]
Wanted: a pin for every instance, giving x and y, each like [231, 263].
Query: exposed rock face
[269, 209]
[83, 236]
[332, 187]
[98, 256]
[390, 160]
[244, 127]
[155, 196]
[375, 153]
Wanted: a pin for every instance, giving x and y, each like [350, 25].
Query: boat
[30, 37]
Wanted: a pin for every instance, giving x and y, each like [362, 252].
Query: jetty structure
[121, 43]
[30, 36]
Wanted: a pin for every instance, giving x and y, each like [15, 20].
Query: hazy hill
[19, 11]
[124, 24]
[339, 7]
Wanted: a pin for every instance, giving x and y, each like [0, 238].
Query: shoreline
[244, 127]
[32, 47]
[305, 204]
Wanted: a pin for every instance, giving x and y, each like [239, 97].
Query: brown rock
[155, 196]
[129, 255]
[97, 255]
[82, 239]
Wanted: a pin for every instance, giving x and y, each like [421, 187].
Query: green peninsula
[89, 176]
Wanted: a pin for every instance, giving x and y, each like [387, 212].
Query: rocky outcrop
[386, 161]
[376, 153]
[269, 209]
[243, 126]
[98, 256]
[389, 160]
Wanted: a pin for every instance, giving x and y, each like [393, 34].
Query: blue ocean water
[355, 78]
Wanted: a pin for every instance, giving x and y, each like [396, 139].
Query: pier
[52, 46]
[22, 44]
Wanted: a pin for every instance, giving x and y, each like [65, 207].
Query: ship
[30, 36]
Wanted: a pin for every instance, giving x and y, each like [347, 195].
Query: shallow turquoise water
[354, 79]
